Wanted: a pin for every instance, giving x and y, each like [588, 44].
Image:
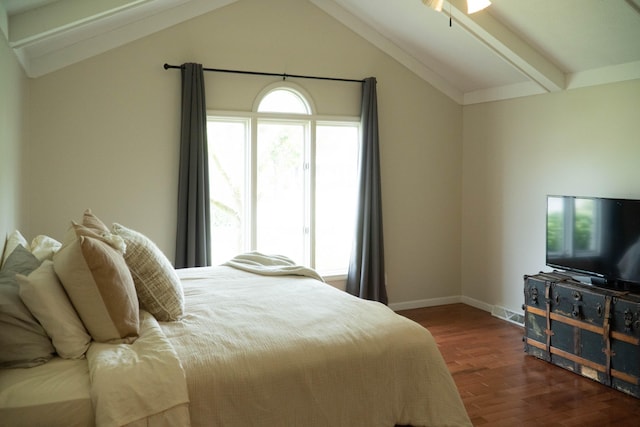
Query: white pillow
[45, 297]
[43, 247]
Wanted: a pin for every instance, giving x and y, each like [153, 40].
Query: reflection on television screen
[594, 236]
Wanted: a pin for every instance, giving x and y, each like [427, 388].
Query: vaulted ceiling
[513, 48]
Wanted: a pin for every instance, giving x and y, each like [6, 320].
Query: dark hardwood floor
[502, 386]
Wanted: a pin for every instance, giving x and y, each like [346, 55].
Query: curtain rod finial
[166, 66]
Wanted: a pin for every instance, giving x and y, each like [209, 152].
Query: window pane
[280, 191]
[227, 141]
[283, 101]
[336, 193]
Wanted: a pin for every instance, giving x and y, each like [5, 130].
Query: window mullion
[252, 180]
[311, 194]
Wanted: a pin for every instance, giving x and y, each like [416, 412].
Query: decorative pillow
[91, 221]
[13, 240]
[45, 297]
[23, 341]
[96, 228]
[99, 285]
[43, 247]
[157, 284]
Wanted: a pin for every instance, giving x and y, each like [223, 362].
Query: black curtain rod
[258, 73]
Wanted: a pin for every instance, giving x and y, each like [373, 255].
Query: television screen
[595, 236]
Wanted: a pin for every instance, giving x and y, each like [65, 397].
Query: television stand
[586, 329]
[601, 282]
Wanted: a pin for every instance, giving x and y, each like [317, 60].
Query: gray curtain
[193, 238]
[366, 277]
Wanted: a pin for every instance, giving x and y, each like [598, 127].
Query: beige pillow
[99, 285]
[45, 297]
[93, 227]
[91, 221]
[157, 284]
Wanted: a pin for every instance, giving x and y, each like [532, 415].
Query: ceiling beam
[51, 16]
[51, 50]
[507, 45]
[543, 75]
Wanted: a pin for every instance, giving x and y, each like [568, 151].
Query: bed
[265, 347]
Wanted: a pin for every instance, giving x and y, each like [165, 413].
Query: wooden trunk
[592, 331]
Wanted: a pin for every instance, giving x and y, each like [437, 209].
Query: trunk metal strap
[548, 331]
[606, 335]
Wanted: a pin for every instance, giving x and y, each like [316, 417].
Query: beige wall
[103, 134]
[579, 142]
[13, 95]
[105, 131]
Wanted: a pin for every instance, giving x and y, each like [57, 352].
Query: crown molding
[501, 93]
[604, 75]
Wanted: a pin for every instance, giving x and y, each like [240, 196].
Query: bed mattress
[291, 351]
[56, 394]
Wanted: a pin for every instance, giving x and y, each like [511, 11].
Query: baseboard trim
[477, 304]
[495, 310]
[431, 302]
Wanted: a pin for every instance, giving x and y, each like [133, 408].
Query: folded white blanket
[271, 265]
[133, 382]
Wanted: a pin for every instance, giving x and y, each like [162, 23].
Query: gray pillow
[23, 341]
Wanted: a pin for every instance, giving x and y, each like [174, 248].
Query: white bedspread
[291, 351]
[138, 384]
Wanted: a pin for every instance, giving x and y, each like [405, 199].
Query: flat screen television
[594, 238]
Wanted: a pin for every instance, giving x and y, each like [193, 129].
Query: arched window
[284, 100]
[283, 181]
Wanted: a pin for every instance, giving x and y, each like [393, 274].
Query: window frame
[312, 121]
